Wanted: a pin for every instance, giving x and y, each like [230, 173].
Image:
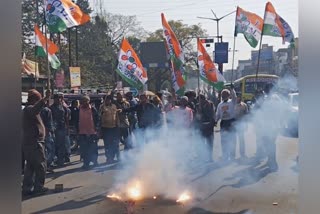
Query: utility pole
[216, 19]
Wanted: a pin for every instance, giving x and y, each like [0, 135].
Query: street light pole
[220, 65]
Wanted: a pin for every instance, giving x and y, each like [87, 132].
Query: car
[292, 119]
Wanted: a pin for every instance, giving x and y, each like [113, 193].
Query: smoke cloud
[164, 160]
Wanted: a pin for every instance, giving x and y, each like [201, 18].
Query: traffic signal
[207, 41]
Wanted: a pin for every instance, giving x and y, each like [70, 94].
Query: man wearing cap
[225, 113]
[87, 125]
[60, 121]
[33, 144]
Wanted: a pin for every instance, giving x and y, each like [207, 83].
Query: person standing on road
[148, 116]
[225, 113]
[272, 111]
[61, 122]
[180, 116]
[124, 124]
[132, 116]
[205, 122]
[241, 110]
[34, 144]
[110, 129]
[87, 126]
[46, 117]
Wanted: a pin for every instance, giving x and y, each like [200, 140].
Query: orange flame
[114, 196]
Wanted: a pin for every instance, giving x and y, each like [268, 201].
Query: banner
[29, 67]
[59, 80]
[75, 77]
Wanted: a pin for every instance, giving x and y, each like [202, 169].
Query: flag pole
[259, 53]
[35, 50]
[198, 76]
[48, 66]
[234, 44]
[77, 53]
[234, 47]
[69, 42]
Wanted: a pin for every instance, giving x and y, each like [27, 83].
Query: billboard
[221, 51]
[153, 54]
[75, 77]
[59, 80]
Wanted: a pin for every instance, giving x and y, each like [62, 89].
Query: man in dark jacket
[205, 120]
[148, 115]
[61, 123]
[33, 144]
[87, 126]
[46, 117]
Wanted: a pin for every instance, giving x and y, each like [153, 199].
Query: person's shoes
[27, 193]
[95, 163]
[41, 190]
[50, 170]
[110, 162]
[67, 160]
[273, 166]
[85, 167]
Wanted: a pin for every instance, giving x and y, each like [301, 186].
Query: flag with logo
[43, 44]
[276, 26]
[175, 53]
[130, 67]
[63, 14]
[208, 71]
[250, 25]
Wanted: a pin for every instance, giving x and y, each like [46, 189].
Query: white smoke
[163, 165]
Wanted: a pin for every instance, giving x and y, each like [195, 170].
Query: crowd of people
[47, 128]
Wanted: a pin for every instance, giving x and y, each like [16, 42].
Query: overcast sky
[148, 13]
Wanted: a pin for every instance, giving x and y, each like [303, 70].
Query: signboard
[153, 55]
[221, 51]
[59, 80]
[261, 79]
[75, 77]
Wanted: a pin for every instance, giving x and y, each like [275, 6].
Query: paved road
[237, 188]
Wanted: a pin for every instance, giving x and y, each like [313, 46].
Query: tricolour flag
[207, 69]
[174, 50]
[275, 25]
[63, 14]
[250, 25]
[43, 43]
[130, 67]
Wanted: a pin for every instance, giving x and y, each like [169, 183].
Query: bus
[246, 85]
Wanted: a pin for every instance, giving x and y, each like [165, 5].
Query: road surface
[238, 188]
